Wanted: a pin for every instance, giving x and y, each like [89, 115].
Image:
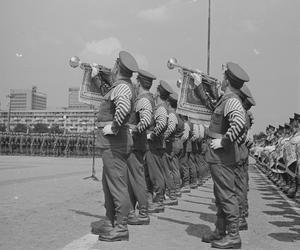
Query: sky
[38, 37]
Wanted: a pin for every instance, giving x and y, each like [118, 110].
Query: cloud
[155, 15]
[104, 47]
[106, 51]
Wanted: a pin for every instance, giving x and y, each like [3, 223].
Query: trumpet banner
[93, 90]
[189, 104]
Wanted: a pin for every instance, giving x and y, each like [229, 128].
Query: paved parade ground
[46, 204]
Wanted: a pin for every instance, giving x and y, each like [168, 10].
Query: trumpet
[172, 63]
[75, 61]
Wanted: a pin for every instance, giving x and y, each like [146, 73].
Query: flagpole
[208, 39]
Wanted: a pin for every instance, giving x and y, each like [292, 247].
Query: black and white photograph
[149, 125]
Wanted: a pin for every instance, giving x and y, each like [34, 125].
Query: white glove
[95, 70]
[107, 130]
[149, 136]
[216, 143]
[197, 78]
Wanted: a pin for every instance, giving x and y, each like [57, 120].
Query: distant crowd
[46, 144]
[278, 155]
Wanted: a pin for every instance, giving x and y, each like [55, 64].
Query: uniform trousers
[246, 170]
[170, 172]
[225, 192]
[153, 169]
[137, 183]
[241, 186]
[187, 167]
[114, 181]
[194, 168]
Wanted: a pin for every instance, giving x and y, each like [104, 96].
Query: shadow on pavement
[87, 214]
[211, 206]
[282, 209]
[197, 230]
[203, 216]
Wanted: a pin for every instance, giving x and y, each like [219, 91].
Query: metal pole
[208, 39]
[94, 140]
[93, 176]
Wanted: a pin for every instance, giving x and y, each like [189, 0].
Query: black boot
[142, 218]
[291, 193]
[118, 233]
[243, 225]
[171, 199]
[155, 206]
[101, 227]
[286, 187]
[218, 233]
[231, 241]
[186, 189]
[297, 193]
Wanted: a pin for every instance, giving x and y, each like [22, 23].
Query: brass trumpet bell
[74, 61]
[172, 63]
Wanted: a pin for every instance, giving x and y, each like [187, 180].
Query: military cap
[247, 93]
[292, 120]
[145, 78]
[164, 87]
[296, 116]
[236, 75]
[286, 125]
[127, 62]
[271, 127]
[280, 127]
[173, 96]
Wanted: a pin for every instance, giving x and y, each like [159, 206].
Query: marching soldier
[241, 172]
[22, 143]
[2, 143]
[226, 126]
[185, 166]
[154, 172]
[174, 146]
[141, 119]
[115, 141]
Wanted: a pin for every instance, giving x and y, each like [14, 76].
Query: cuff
[115, 127]
[225, 141]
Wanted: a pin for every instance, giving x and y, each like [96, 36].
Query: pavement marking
[85, 242]
[293, 204]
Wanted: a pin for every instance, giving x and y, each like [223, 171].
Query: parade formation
[154, 148]
[46, 144]
[152, 154]
[150, 125]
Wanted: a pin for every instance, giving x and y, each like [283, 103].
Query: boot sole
[235, 246]
[185, 191]
[113, 240]
[171, 204]
[156, 211]
[243, 228]
[138, 223]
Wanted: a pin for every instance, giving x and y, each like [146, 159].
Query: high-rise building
[27, 99]
[74, 102]
[77, 121]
